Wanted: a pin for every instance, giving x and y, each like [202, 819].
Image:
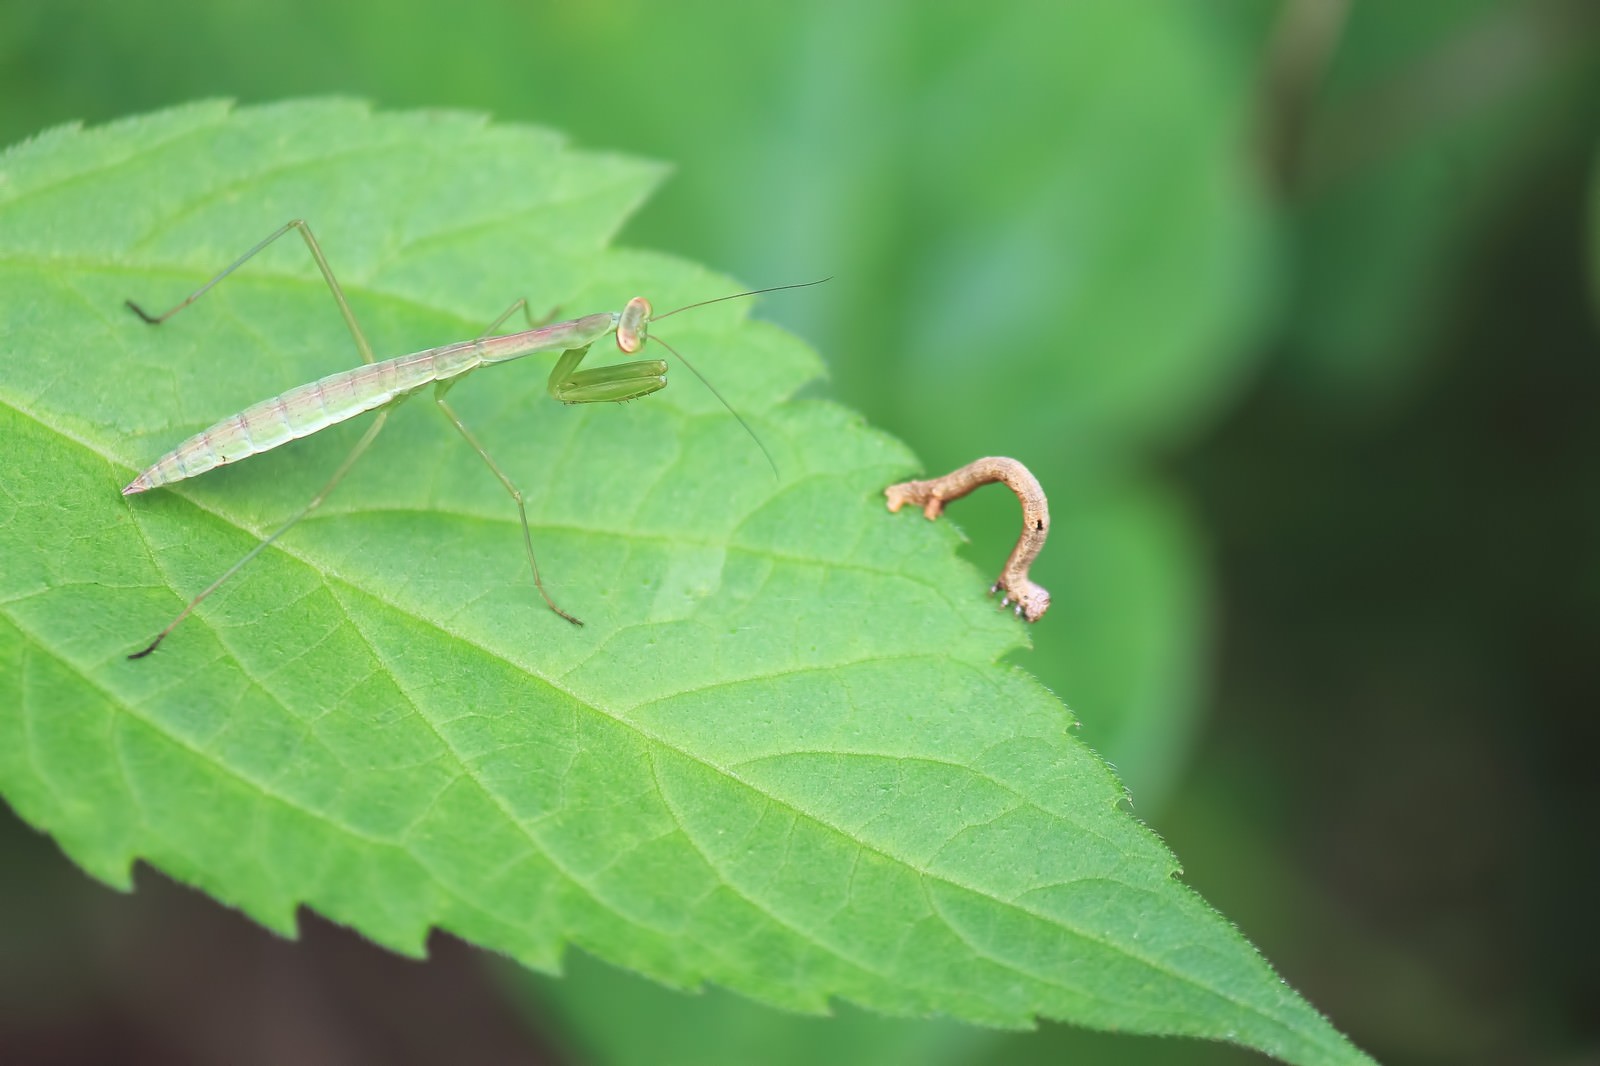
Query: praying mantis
[381, 385]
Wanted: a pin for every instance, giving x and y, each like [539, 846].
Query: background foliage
[1286, 305]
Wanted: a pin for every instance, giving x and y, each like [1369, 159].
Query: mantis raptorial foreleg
[617, 382]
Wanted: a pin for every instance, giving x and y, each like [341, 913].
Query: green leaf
[781, 757]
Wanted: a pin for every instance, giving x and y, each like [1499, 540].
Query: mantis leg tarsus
[154, 320]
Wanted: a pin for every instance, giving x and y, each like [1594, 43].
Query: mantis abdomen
[304, 410]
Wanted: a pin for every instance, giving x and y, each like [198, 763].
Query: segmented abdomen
[300, 412]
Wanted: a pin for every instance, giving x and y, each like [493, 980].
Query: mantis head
[635, 320]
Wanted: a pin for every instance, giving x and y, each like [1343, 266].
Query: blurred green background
[1291, 306]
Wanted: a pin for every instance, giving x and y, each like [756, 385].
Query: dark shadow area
[1412, 636]
[166, 975]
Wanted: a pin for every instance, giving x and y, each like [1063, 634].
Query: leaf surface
[781, 756]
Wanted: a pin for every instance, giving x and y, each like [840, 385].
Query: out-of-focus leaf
[1433, 113]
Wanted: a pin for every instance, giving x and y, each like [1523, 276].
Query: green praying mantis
[379, 385]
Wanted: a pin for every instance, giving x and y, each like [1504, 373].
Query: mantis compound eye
[632, 324]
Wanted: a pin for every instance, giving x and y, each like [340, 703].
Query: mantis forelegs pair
[379, 385]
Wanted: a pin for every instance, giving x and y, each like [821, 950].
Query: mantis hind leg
[316, 501]
[362, 345]
[304, 229]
